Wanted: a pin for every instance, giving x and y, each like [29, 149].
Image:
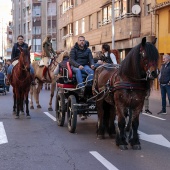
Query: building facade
[92, 18]
[34, 19]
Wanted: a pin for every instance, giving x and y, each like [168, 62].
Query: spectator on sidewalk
[164, 80]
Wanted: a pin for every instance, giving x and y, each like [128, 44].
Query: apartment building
[92, 18]
[34, 19]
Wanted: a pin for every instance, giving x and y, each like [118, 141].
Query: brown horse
[50, 78]
[123, 88]
[21, 81]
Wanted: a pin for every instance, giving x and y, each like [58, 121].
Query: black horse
[124, 88]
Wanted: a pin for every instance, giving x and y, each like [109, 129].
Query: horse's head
[24, 58]
[149, 59]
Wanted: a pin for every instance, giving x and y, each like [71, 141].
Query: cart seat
[66, 85]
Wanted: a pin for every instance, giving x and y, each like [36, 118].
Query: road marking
[50, 116]
[157, 139]
[101, 159]
[3, 137]
[153, 116]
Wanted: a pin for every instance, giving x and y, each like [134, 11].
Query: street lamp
[35, 33]
[113, 26]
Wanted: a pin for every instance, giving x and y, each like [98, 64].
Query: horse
[122, 89]
[50, 78]
[21, 82]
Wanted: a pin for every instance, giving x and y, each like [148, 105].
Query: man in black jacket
[164, 80]
[15, 54]
[81, 60]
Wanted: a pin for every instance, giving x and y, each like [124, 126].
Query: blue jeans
[11, 67]
[165, 89]
[86, 70]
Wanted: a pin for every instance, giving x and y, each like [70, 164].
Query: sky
[6, 6]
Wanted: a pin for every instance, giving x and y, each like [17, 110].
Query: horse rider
[81, 60]
[15, 55]
[48, 54]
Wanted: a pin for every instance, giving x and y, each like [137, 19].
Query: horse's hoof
[136, 147]
[123, 147]
[28, 117]
[50, 109]
[31, 107]
[39, 106]
[100, 137]
[16, 117]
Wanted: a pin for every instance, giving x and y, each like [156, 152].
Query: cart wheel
[60, 109]
[71, 114]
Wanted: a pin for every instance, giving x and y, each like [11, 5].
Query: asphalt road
[39, 144]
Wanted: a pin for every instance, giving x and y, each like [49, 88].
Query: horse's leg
[22, 104]
[36, 94]
[111, 128]
[14, 98]
[100, 123]
[27, 106]
[53, 84]
[45, 86]
[120, 134]
[18, 105]
[31, 97]
[134, 141]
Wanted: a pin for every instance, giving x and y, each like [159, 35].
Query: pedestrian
[81, 61]
[164, 79]
[47, 55]
[15, 55]
[146, 103]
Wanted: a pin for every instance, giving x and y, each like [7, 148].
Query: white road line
[101, 159]
[3, 137]
[153, 116]
[50, 116]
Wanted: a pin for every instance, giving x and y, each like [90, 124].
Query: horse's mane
[130, 66]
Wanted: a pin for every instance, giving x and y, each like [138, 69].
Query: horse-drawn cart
[73, 101]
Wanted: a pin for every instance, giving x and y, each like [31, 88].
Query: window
[70, 29]
[99, 19]
[148, 8]
[76, 28]
[52, 26]
[83, 26]
[37, 10]
[29, 26]
[90, 22]
[52, 9]
[107, 14]
[54, 44]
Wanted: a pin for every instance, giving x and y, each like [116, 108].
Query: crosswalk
[3, 136]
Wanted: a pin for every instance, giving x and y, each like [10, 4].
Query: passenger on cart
[106, 56]
[63, 63]
[81, 61]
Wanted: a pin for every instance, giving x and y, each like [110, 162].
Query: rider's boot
[33, 80]
[44, 73]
